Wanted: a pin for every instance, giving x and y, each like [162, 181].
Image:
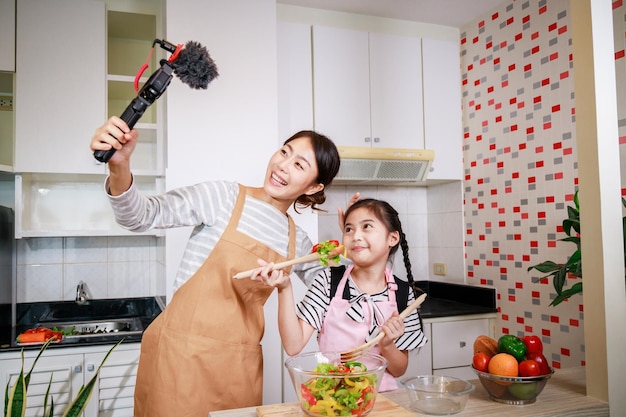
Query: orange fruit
[503, 364]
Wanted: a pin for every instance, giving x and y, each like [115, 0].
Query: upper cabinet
[295, 96]
[129, 40]
[71, 78]
[60, 85]
[7, 34]
[368, 88]
[6, 121]
[442, 108]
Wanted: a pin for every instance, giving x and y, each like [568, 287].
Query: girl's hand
[271, 277]
[393, 328]
[341, 213]
[114, 133]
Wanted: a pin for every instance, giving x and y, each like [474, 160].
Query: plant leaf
[573, 239]
[15, 402]
[576, 288]
[43, 348]
[545, 267]
[17, 398]
[84, 394]
[45, 399]
[559, 279]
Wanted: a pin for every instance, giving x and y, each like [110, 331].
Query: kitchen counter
[564, 395]
[447, 299]
[48, 314]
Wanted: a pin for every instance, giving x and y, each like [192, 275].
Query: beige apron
[203, 352]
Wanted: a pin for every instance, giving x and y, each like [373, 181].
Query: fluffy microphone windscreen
[194, 66]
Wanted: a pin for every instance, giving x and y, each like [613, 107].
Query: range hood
[383, 166]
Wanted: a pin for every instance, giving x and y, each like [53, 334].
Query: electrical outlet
[439, 268]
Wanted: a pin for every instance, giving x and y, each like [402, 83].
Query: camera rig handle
[151, 90]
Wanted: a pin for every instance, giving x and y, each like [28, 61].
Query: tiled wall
[111, 267]
[432, 220]
[520, 163]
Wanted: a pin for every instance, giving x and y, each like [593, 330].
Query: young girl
[203, 353]
[372, 233]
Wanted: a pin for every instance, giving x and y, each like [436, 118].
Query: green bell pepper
[512, 345]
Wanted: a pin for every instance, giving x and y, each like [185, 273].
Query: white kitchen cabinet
[368, 88]
[7, 34]
[450, 346]
[63, 95]
[6, 121]
[130, 37]
[60, 85]
[453, 346]
[70, 369]
[70, 78]
[295, 75]
[443, 131]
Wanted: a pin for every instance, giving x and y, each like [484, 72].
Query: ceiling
[455, 13]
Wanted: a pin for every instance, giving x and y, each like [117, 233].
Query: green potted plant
[15, 397]
[572, 267]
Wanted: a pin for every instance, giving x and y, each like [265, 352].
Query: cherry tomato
[544, 367]
[481, 361]
[529, 367]
[533, 344]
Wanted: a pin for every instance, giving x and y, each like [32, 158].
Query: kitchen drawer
[453, 342]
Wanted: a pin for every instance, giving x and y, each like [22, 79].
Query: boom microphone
[191, 63]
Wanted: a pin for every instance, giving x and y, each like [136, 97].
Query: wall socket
[439, 269]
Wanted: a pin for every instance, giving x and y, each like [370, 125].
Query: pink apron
[340, 332]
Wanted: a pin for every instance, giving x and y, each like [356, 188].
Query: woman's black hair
[389, 217]
[328, 161]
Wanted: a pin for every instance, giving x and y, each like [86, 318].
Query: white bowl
[437, 395]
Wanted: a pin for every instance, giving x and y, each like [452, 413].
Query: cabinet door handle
[462, 344]
[90, 367]
[78, 369]
[368, 139]
[376, 140]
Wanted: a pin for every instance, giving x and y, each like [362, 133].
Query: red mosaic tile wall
[520, 163]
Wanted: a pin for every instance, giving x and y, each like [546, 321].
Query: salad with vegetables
[339, 396]
[324, 248]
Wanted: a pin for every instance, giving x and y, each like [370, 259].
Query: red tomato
[544, 367]
[307, 395]
[529, 367]
[533, 344]
[481, 361]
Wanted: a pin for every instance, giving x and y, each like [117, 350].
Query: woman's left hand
[270, 276]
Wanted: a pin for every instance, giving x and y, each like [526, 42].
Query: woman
[203, 353]
[372, 233]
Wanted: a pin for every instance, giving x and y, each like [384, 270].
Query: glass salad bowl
[327, 387]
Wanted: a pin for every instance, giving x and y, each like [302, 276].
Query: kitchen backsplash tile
[128, 248]
[39, 282]
[40, 251]
[94, 277]
[432, 220]
[85, 249]
[49, 269]
[129, 279]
